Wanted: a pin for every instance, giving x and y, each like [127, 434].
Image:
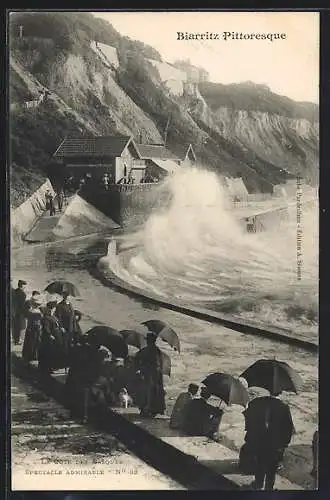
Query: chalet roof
[111, 146]
[182, 151]
[167, 165]
[150, 151]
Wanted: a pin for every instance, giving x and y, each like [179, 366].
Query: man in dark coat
[269, 429]
[201, 418]
[149, 364]
[18, 311]
[66, 317]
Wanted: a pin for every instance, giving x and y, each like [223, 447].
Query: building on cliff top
[120, 157]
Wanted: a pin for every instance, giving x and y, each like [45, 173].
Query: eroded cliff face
[288, 143]
[88, 88]
[88, 97]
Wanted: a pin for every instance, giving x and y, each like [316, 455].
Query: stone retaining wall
[24, 217]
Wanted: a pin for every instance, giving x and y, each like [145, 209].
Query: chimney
[141, 138]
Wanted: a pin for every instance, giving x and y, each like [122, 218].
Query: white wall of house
[125, 160]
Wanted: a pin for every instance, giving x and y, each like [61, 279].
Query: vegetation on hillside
[23, 182]
[50, 38]
[36, 134]
[253, 97]
[73, 31]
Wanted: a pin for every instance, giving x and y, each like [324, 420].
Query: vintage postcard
[164, 250]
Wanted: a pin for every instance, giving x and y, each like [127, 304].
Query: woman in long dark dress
[32, 336]
[149, 363]
[52, 353]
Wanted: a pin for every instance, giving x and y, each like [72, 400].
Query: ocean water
[195, 250]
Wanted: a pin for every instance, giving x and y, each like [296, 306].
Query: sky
[288, 66]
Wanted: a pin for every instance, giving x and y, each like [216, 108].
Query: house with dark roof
[120, 157]
[115, 155]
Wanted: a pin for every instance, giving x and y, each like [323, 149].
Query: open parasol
[136, 338]
[62, 286]
[227, 388]
[275, 376]
[163, 331]
[109, 338]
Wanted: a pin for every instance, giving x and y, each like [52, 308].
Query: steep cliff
[243, 130]
[274, 128]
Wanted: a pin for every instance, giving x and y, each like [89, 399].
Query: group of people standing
[50, 201]
[47, 331]
[97, 379]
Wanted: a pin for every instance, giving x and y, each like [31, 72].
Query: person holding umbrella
[52, 352]
[268, 421]
[149, 365]
[269, 429]
[65, 314]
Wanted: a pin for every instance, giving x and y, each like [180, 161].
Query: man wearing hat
[149, 364]
[18, 310]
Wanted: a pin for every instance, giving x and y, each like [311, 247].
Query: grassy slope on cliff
[56, 51]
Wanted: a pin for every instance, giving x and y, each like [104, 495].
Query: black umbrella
[227, 388]
[275, 376]
[62, 286]
[109, 338]
[163, 331]
[135, 338]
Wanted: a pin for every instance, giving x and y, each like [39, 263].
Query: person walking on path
[60, 199]
[149, 364]
[269, 429]
[18, 312]
[180, 407]
[30, 351]
[50, 205]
